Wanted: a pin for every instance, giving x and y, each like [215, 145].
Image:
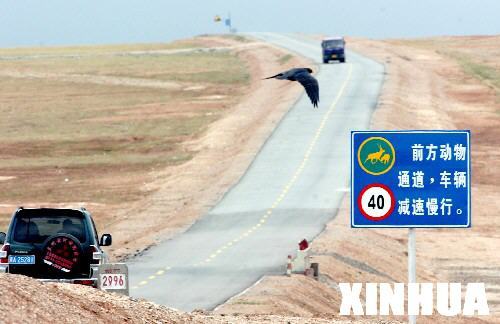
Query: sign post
[412, 265]
[410, 179]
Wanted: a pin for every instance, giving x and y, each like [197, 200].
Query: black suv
[53, 245]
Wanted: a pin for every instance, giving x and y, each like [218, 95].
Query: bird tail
[274, 76]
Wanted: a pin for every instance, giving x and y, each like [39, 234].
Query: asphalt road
[291, 190]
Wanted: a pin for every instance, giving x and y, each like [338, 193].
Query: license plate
[21, 259]
[113, 281]
[334, 55]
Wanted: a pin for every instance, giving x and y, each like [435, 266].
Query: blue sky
[58, 22]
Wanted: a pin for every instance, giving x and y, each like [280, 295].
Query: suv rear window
[36, 228]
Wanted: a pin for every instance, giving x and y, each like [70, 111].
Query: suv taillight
[96, 255]
[86, 282]
[4, 253]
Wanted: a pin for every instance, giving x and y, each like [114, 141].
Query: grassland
[484, 72]
[476, 55]
[66, 138]
[98, 49]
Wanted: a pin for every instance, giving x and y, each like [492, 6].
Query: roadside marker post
[410, 179]
[289, 266]
[114, 277]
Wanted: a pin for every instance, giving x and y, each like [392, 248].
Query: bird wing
[311, 86]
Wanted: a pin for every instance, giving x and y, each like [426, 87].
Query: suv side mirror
[2, 237]
[106, 240]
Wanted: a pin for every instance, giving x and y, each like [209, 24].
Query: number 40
[380, 202]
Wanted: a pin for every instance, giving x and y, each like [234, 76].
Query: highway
[290, 191]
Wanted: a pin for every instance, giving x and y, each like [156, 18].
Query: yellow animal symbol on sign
[378, 156]
[385, 158]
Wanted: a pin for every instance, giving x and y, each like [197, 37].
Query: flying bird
[302, 75]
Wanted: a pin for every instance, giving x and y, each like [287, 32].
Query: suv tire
[63, 253]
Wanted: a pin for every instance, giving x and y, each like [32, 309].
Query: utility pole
[228, 22]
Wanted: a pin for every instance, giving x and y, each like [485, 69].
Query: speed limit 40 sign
[376, 201]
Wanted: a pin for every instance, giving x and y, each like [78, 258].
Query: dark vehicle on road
[333, 49]
[53, 245]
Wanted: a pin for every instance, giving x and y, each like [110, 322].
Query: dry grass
[484, 72]
[285, 58]
[65, 141]
[214, 67]
[477, 55]
[237, 38]
[98, 49]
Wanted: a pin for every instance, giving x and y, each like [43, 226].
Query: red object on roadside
[303, 245]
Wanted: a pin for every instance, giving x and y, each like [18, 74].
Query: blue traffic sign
[410, 179]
